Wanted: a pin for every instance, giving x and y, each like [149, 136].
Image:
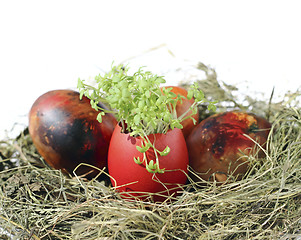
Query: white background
[46, 45]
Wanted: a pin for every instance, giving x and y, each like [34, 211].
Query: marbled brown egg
[219, 146]
[66, 133]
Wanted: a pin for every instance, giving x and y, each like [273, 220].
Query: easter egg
[182, 108]
[219, 146]
[66, 133]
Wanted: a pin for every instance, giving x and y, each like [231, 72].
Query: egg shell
[218, 148]
[65, 131]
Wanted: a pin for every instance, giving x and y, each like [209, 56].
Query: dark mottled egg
[219, 146]
[66, 133]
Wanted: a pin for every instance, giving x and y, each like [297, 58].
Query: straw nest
[37, 202]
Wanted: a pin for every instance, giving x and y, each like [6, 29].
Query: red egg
[134, 180]
[219, 146]
[66, 133]
[183, 107]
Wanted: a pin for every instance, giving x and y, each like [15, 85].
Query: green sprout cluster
[140, 105]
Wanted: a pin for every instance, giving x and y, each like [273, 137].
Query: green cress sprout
[140, 106]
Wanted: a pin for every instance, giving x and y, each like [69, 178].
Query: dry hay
[37, 202]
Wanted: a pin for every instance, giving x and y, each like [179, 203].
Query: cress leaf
[143, 149]
[80, 84]
[81, 94]
[137, 160]
[165, 152]
[99, 116]
[189, 94]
